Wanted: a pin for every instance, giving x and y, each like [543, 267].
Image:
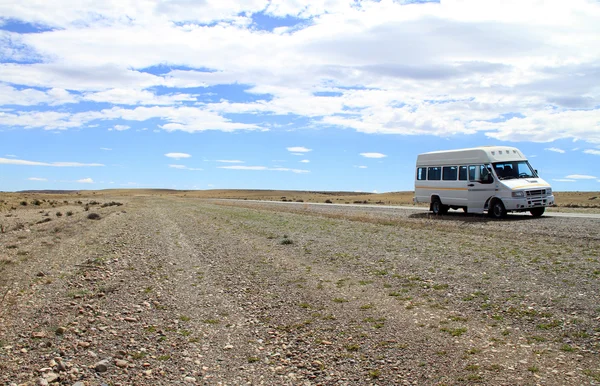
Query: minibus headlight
[519, 194]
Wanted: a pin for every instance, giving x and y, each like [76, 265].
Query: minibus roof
[475, 155]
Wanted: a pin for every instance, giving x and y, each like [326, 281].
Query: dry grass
[564, 200]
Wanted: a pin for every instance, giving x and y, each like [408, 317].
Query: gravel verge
[164, 291]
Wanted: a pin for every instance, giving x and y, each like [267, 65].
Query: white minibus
[496, 179]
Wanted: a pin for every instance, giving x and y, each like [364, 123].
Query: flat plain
[163, 287]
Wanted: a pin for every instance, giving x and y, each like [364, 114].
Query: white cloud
[105, 148]
[592, 151]
[177, 155]
[242, 167]
[305, 161]
[457, 67]
[7, 161]
[230, 161]
[120, 128]
[86, 181]
[373, 155]
[555, 149]
[564, 180]
[361, 167]
[183, 167]
[10, 155]
[298, 149]
[37, 179]
[580, 177]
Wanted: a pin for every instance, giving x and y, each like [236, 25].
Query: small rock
[41, 274]
[120, 354]
[189, 379]
[84, 344]
[79, 384]
[228, 347]
[101, 367]
[130, 319]
[38, 334]
[52, 377]
[42, 382]
[60, 330]
[121, 363]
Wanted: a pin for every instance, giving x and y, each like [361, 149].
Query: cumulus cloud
[177, 155]
[514, 71]
[373, 155]
[592, 151]
[37, 179]
[230, 161]
[278, 169]
[105, 148]
[555, 149]
[7, 161]
[86, 181]
[564, 180]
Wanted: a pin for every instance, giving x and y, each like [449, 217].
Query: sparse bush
[286, 242]
[58, 214]
[23, 203]
[93, 216]
[36, 202]
[69, 213]
[328, 202]
[44, 220]
[113, 203]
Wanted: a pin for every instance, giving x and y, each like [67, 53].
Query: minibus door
[479, 188]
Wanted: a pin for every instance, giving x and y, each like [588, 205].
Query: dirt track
[174, 291]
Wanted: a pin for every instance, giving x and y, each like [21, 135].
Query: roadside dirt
[166, 291]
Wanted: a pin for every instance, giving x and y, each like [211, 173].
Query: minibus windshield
[513, 169]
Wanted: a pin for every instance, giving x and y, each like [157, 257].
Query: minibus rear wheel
[497, 209]
[437, 207]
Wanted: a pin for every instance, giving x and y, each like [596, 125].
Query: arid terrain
[167, 287]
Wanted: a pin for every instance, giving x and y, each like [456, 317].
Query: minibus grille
[538, 192]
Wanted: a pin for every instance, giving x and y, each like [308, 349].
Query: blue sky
[318, 95]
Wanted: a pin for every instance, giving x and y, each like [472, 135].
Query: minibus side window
[480, 173]
[449, 173]
[462, 173]
[434, 173]
[421, 174]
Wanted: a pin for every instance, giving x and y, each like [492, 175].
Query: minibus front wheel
[537, 212]
[497, 209]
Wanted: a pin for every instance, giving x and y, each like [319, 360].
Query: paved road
[421, 208]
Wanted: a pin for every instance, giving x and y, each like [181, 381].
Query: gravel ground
[167, 291]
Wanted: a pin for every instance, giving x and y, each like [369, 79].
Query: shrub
[36, 202]
[58, 214]
[93, 216]
[69, 213]
[328, 202]
[24, 203]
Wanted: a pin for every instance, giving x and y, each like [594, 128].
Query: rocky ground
[166, 291]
